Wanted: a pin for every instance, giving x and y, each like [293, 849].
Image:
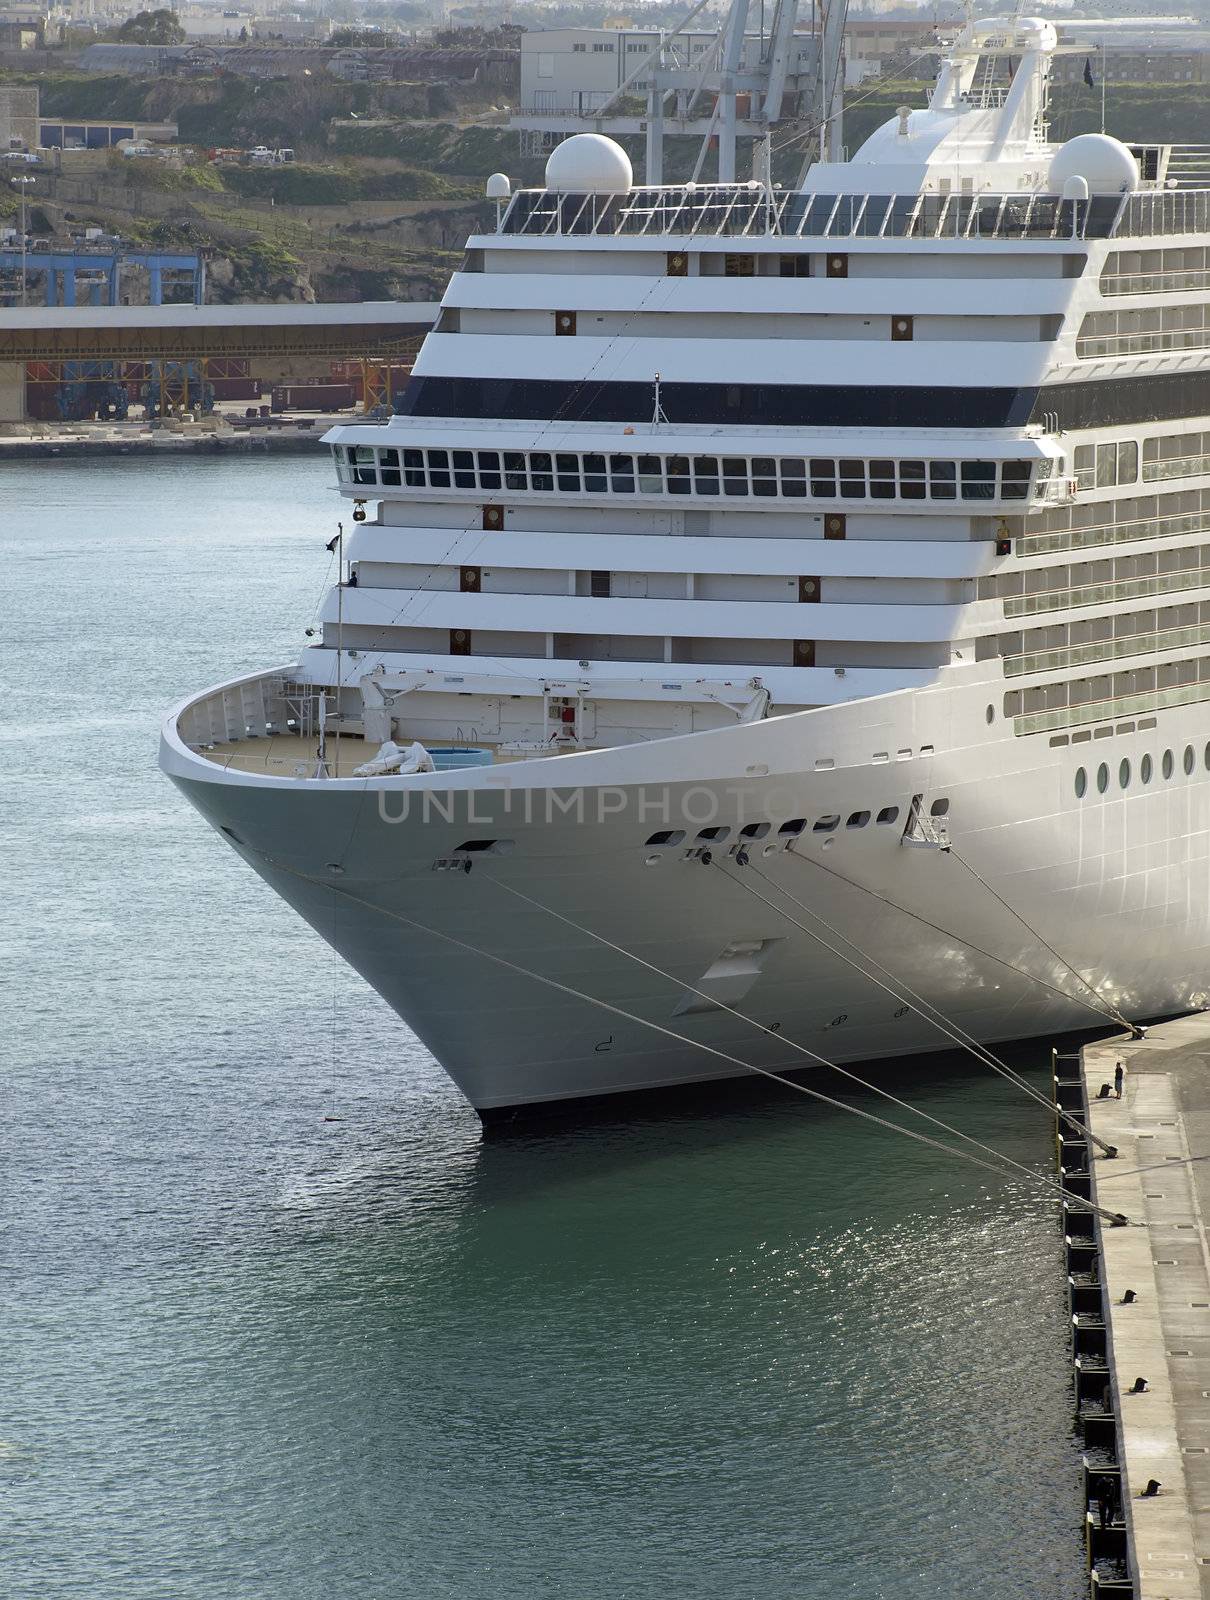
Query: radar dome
[1105, 164]
[589, 163]
[498, 186]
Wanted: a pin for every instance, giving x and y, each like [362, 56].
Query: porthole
[793, 827]
[826, 824]
[713, 835]
[1124, 774]
[754, 830]
[1081, 783]
[858, 819]
[1166, 764]
[1207, 758]
[1190, 759]
[1145, 768]
[939, 808]
[888, 814]
[990, 715]
[667, 836]
[1102, 778]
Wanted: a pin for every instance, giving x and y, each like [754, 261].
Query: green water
[748, 1349]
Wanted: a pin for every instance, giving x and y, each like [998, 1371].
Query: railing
[1108, 533]
[1091, 346]
[1163, 211]
[1189, 166]
[1161, 282]
[748, 210]
[1099, 593]
[1109, 710]
[1081, 655]
[1176, 467]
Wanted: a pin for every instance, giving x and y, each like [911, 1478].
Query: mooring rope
[948, 933]
[1051, 1185]
[752, 1022]
[1109, 1006]
[932, 1013]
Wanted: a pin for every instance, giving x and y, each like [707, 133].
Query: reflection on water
[745, 1348]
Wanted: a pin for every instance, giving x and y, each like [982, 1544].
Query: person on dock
[1118, 1075]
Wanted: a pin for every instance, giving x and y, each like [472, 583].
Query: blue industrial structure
[98, 273]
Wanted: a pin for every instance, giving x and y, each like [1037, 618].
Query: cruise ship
[778, 626]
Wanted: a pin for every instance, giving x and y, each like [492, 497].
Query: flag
[1088, 79]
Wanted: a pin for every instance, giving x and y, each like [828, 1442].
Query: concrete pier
[1163, 1335]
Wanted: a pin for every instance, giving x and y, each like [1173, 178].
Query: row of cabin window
[1107, 687]
[1156, 271]
[1109, 522]
[1017, 581]
[1145, 773]
[1139, 627]
[791, 477]
[1143, 330]
[670, 838]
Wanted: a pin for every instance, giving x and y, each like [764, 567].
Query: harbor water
[747, 1348]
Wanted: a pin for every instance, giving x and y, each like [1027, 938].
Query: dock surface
[1162, 1119]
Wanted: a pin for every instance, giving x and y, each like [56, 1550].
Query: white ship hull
[1115, 886]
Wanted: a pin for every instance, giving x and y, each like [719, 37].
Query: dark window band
[1107, 402]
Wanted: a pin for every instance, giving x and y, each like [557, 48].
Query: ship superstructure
[778, 607]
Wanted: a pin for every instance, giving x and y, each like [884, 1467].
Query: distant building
[61, 133]
[18, 119]
[22, 27]
[576, 70]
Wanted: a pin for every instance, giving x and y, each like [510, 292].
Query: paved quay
[1163, 1336]
[60, 442]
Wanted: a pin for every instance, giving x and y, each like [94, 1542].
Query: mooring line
[780, 1038]
[656, 1027]
[948, 933]
[932, 1013]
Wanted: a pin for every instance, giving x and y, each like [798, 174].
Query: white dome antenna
[1105, 164]
[500, 190]
[589, 163]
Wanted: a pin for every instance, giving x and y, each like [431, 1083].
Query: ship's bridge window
[735, 475]
[766, 477]
[1014, 480]
[363, 461]
[621, 474]
[911, 478]
[678, 475]
[651, 480]
[978, 480]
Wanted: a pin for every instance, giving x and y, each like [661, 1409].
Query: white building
[575, 70]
